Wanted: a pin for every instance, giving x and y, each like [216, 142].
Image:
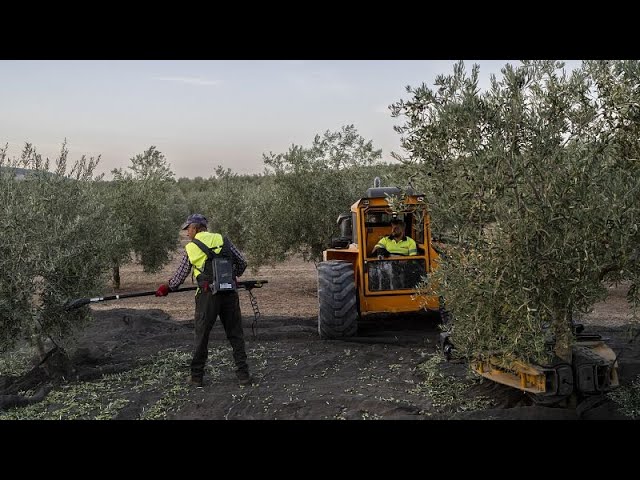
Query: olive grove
[293, 207]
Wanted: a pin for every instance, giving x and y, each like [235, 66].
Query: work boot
[243, 377]
[195, 381]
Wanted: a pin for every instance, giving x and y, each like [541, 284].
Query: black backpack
[218, 269]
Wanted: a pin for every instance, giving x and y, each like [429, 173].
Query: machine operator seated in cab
[397, 243]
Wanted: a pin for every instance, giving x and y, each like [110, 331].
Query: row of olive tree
[293, 207]
[74, 227]
[62, 229]
[56, 233]
[538, 177]
[311, 187]
[149, 204]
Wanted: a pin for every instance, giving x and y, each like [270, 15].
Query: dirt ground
[391, 370]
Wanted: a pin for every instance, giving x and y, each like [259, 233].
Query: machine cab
[393, 273]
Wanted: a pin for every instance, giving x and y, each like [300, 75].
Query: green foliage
[300, 213]
[195, 192]
[54, 239]
[537, 178]
[446, 392]
[160, 379]
[628, 398]
[228, 202]
[149, 204]
[17, 361]
[332, 151]
[227, 199]
[293, 207]
[310, 188]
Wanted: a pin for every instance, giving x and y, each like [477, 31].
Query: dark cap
[195, 218]
[397, 221]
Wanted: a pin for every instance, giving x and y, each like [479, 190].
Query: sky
[205, 113]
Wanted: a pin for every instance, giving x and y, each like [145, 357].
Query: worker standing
[210, 302]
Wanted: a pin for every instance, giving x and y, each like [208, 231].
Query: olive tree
[195, 192]
[148, 202]
[228, 202]
[309, 187]
[55, 235]
[537, 180]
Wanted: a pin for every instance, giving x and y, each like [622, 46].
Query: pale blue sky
[201, 114]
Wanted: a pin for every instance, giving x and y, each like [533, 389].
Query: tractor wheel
[338, 299]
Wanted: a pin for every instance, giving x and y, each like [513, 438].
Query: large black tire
[338, 299]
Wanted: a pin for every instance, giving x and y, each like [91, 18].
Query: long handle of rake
[79, 302]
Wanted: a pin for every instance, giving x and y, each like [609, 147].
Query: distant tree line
[292, 207]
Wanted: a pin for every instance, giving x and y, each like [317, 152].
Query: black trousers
[208, 307]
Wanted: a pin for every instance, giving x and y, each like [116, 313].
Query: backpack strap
[210, 253]
[224, 250]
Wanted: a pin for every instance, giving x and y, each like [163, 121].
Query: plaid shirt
[182, 272]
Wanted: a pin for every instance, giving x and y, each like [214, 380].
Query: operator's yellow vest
[403, 247]
[196, 256]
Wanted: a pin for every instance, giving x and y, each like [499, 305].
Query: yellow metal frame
[532, 378]
[526, 377]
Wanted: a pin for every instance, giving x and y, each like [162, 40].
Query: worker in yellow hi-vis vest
[397, 243]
